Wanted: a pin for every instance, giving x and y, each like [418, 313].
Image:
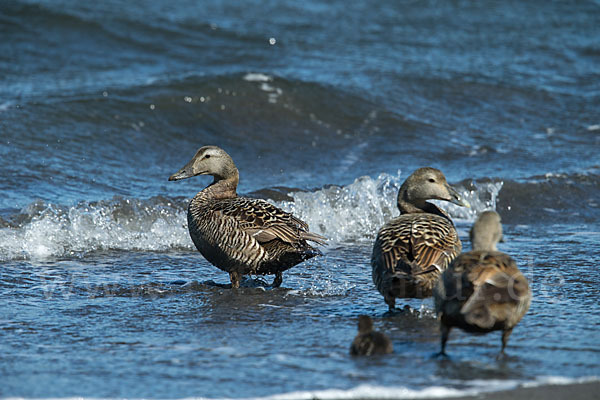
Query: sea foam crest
[52, 230]
[358, 210]
[348, 212]
[257, 77]
[341, 213]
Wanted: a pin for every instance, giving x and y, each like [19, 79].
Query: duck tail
[313, 237]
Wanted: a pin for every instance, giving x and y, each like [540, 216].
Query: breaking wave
[358, 210]
[49, 230]
[342, 213]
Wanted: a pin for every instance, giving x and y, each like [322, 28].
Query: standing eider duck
[239, 235]
[368, 341]
[413, 249]
[482, 290]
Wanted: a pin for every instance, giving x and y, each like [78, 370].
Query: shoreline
[570, 391]
[587, 390]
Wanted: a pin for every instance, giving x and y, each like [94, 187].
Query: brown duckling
[483, 289]
[368, 341]
[240, 235]
[413, 249]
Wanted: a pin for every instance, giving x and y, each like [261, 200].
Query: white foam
[483, 197]
[257, 77]
[559, 380]
[471, 388]
[273, 92]
[5, 106]
[122, 224]
[341, 213]
[325, 286]
[350, 212]
[594, 127]
[358, 210]
[371, 392]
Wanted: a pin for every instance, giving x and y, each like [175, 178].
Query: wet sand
[578, 391]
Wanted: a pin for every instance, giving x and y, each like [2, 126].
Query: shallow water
[102, 293]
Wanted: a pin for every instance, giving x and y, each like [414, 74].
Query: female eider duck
[239, 235]
[368, 341]
[413, 249]
[482, 290]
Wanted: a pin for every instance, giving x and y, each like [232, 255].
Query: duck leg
[444, 339]
[505, 334]
[235, 278]
[278, 280]
[391, 302]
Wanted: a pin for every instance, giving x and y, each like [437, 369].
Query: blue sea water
[326, 107]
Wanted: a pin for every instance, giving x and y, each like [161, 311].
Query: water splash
[342, 213]
[481, 197]
[323, 286]
[356, 212]
[51, 230]
[348, 212]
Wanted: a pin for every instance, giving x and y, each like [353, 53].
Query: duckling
[239, 235]
[482, 290]
[412, 250]
[369, 342]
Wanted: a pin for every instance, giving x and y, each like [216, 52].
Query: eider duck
[369, 342]
[241, 236]
[482, 290]
[413, 249]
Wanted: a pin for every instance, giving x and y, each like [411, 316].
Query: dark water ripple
[326, 108]
[171, 330]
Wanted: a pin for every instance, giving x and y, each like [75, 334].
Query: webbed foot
[278, 280]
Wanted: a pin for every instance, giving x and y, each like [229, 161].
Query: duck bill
[457, 198]
[183, 173]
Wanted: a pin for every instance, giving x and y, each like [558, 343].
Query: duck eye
[207, 156]
[431, 180]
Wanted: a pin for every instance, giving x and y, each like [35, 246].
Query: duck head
[209, 160]
[365, 324]
[427, 184]
[486, 231]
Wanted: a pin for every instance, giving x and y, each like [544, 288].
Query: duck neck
[483, 244]
[406, 205]
[222, 187]
[412, 206]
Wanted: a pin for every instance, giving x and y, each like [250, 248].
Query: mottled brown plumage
[369, 342]
[240, 235]
[411, 250]
[482, 290]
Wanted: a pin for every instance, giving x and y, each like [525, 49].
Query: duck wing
[418, 244]
[500, 294]
[265, 222]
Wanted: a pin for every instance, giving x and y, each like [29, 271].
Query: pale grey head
[427, 184]
[209, 160]
[486, 231]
